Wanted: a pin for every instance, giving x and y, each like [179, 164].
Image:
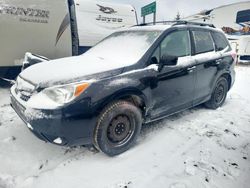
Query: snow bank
[7, 181]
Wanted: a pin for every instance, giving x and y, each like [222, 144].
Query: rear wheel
[219, 94]
[118, 127]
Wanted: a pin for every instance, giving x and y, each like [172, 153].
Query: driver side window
[175, 44]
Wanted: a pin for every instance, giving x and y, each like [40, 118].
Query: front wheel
[118, 127]
[219, 94]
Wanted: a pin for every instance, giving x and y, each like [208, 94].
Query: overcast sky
[167, 9]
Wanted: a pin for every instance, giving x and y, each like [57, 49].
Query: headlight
[65, 94]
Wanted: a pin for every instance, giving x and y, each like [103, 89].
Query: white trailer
[55, 28]
[234, 20]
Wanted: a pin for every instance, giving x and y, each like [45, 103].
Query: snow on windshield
[119, 50]
[126, 46]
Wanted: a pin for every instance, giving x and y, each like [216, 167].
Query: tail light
[235, 58]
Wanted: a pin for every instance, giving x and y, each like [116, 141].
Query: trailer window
[243, 16]
[203, 42]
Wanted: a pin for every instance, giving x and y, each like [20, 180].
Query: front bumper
[69, 126]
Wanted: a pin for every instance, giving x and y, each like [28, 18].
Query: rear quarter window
[221, 42]
[203, 42]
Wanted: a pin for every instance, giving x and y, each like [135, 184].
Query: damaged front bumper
[57, 126]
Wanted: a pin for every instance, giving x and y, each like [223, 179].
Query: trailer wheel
[118, 127]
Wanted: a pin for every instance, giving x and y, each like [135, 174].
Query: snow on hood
[70, 68]
[119, 50]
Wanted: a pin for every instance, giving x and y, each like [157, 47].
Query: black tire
[118, 127]
[219, 94]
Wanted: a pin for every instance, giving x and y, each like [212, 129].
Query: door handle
[218, 61]
[191, 69]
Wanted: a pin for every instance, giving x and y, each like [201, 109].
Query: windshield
[125, 47]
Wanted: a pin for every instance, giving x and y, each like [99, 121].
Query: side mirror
[153, 60]
[167, 60]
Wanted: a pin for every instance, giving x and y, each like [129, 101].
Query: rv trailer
[55, 29]
[234, 20]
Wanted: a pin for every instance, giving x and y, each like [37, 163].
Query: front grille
[24, 97]
[24, 89]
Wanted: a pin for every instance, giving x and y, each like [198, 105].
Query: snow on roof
[158, 27]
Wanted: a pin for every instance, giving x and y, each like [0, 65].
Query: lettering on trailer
[27, 14]
[108, 10]
[107, 19]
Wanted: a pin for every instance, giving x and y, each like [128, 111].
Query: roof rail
[177, 22]
[183, 22]
[159, 22]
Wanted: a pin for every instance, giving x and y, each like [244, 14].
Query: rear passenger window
[220, 41]
[203, 42]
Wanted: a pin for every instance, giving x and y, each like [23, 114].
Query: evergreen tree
[178, 16]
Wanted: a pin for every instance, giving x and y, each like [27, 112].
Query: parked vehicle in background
[132, 77]
[234, 20]
[55, 29]
[241, 44]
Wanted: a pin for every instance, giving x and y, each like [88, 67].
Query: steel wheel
[120, 130]
[118, 127]
[219, 94]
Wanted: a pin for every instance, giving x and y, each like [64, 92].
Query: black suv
[132, 77]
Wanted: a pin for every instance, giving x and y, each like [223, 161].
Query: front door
[174, 88]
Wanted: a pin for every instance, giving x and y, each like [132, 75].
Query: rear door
[223, 47]
[207, 61]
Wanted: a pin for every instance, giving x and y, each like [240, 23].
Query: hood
[71, 69]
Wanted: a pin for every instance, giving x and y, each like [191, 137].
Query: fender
[122, 94]
[217, 76]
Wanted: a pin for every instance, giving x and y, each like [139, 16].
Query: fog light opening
[58, 141]
[29, 126]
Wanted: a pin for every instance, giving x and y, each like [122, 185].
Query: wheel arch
[229, 79]
[132, 95]
[224, 74]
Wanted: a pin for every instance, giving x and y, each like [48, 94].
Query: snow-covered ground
[195, 148]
